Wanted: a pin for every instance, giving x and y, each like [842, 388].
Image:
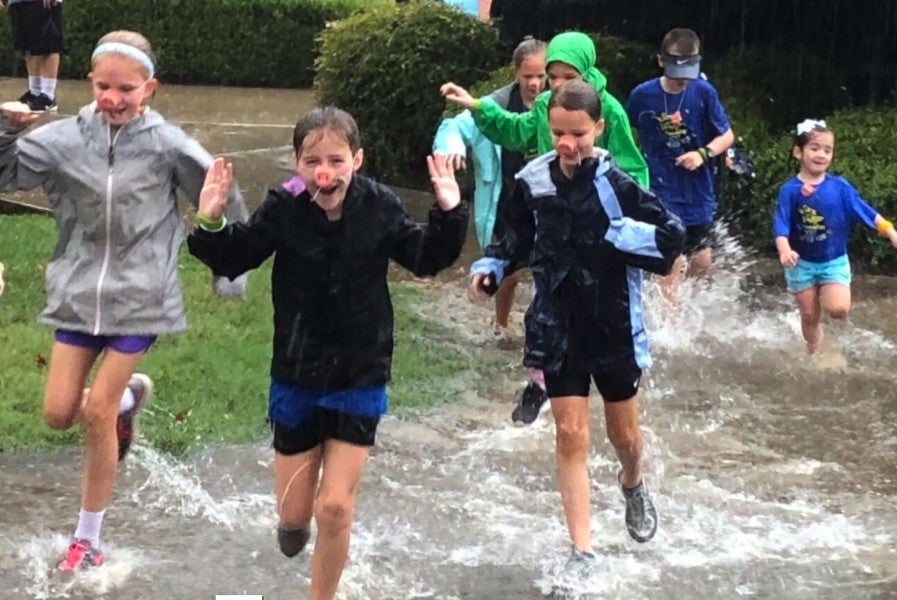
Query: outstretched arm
[514, 131]
[24, 160]
[229, 249]
[425, 249]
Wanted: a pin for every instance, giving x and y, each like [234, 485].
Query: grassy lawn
[211, 382]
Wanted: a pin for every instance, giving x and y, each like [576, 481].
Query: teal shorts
[806, 274]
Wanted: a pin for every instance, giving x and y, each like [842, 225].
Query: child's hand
[213, 197]
[448, 194]
[458, 161]
[788, 258]
[690, 160]
[457, 94]
[2, 285]
[892, 235]
[479, 283]
[18, 114]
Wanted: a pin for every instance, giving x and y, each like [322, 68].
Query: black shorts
[323, 425]
[614, 385]
[698, 237]
[36, 30]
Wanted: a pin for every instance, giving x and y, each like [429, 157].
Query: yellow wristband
[477, 103]
[884, 226]
[210, 224]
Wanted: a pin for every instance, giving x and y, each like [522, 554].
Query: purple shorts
[126, 344]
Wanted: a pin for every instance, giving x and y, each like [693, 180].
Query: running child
[814, 214]
[332, 233]
[569, 56]
[110, 176]
[587, 230]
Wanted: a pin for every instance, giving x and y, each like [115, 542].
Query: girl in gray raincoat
[110, 175]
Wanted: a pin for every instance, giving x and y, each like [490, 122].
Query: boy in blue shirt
[681, 126]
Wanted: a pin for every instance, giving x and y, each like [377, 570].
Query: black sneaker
[530, 404]
[43, 103]
[641, 516]
[27, 98]
[292, 541]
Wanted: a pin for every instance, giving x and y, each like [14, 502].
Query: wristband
[477, 103]
[884, 227]
[703, 153]
[210, 224]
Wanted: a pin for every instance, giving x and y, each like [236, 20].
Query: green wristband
[703, 153]
[210, 224]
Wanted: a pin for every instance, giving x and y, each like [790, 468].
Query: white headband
[126, 50]
[808, 125]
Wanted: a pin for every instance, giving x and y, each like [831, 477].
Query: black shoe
[43, 103]
[530, 404]
[292, 541]
[641, 516]
[27, 98]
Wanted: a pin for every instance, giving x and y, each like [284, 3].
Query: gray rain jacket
[114, 270]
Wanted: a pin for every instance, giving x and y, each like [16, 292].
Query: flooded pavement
[775, 475]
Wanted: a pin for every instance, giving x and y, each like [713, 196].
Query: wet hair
[685, 41]
[311, 126]
[576, 94]
[802, 139]
[528, 47]
[130, 38]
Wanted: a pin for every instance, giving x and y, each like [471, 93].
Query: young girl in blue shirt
[812, 223]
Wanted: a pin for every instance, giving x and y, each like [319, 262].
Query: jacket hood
[577, 50]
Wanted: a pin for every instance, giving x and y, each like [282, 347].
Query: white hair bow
[808, 125]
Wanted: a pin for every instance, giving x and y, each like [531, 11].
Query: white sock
[34, 85]
[48, 86]
[127, 401]
[89, 524]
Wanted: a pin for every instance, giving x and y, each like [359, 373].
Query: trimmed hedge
[220, 42]
[385, 67]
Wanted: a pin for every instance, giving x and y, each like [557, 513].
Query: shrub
[811, 87]
[222, 42]
[385, 67]
[625, 63]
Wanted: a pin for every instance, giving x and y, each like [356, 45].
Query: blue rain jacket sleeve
[644, 233]
[512, 251]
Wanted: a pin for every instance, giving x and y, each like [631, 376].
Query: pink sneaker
[142, 388]
[81, 555]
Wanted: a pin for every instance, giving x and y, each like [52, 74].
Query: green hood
[577, 50]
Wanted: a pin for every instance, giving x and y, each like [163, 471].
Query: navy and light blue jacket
[587, 240]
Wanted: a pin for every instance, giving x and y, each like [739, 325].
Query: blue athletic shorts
[806, 274]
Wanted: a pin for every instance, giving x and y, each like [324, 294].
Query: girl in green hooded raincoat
[570, 55]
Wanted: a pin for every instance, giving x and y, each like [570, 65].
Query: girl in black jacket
[332, 233]
[586, 229]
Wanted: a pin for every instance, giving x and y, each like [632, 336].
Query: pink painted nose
[565, 147]
[107, 103]
[323, 179]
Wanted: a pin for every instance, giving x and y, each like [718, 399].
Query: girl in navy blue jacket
[587, 230]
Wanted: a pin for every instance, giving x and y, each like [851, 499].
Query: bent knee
[839, 312]
[628, 439]
[59, 419]
[572, 439]
[334, 513]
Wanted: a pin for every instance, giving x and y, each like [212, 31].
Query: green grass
[211, 382]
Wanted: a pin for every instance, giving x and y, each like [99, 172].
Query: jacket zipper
[107, 254]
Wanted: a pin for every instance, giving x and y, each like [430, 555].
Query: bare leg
[100, 412]
[504, 298]
[334, 508]
[669, 284]
[33, 64]
[296, 479]
[65, 395]
[571, 415]
[625, 435]
[48, 66]
[700, 264]
[810, 314]
[834, 299]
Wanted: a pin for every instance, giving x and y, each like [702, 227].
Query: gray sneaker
[580, 566]
[641, 516]
[292, 541]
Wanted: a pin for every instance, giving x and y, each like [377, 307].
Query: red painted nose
[323, 179]
[107, 104]
[566, 148]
